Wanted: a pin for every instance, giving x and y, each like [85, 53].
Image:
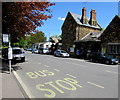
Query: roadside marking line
[68, 62]
[29, 94]
[39, 63]
[57, 70]
[46, 66]
[112, 72]
[71, 76]
[76, 64]
[95, 84]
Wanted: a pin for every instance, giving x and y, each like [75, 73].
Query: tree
[20, 18]
[34, 38]
[38, 37]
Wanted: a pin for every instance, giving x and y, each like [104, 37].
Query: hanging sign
[5, 38]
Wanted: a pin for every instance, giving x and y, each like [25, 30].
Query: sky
[105, 12]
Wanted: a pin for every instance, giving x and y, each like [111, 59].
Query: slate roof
[92, 36]
[78, 18]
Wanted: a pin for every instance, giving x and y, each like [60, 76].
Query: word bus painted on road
[36, 74]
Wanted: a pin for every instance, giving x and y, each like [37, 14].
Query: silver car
[61, 53]
[18, 54]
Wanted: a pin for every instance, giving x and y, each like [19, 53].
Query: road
[46, 76]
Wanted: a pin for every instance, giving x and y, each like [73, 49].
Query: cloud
[59, 18]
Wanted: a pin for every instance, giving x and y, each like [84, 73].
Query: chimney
[93, 21]
[84, 18]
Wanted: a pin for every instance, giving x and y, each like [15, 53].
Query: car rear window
[17, 51]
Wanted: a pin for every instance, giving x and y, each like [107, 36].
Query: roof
[41, 43]
[92, 36]
[78, 21]
[118, 16]
[54, 39]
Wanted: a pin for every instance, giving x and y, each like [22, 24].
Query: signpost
[6, 38]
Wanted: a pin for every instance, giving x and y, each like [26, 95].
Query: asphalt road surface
[46, 76]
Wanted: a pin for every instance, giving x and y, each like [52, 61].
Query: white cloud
[59, 18]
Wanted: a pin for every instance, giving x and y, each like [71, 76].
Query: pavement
[10, 88]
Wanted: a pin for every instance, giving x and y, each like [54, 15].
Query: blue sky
[105, 11]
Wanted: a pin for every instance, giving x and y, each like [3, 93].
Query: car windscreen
[17, 51]
[63, 52]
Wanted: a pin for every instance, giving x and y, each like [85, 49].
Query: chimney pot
[84, 18]
[93, 18]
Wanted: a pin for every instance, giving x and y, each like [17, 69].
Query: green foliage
[34, 38]
[16, 44]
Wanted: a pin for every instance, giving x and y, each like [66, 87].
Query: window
[113, 48]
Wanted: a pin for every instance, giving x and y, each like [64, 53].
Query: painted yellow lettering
[72, 81]
[49, 73]
[32, 75]
[50, 83]
[51, 94]
[41, 74]
[72, 87]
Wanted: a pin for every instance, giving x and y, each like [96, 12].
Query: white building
[42, 45]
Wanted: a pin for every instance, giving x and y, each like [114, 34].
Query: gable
[112, 32]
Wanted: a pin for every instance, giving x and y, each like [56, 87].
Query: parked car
[100, 57]
[43, 50]
[28, 49]
[34, 50]
[18, 54]
[61, 53]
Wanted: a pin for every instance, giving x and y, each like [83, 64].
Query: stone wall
[112, 32]
[83, 31]
[71, 32]
[68, 32]
[111, 35]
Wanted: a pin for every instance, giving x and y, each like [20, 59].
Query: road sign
[5, 38]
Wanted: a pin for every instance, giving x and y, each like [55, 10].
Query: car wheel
[107, 62]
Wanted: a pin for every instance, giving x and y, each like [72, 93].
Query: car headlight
[112, 59]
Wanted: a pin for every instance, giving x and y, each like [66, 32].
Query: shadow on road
[5, 66]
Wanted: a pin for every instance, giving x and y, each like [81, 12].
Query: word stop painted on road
[68, 84]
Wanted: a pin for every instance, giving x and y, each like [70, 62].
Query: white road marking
[46, 66]
[57, 70]
[39, 63]
[29, 94]
[112, 72]
[95, 85]
[77, 64]
[71, 76]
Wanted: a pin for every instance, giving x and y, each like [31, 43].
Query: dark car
[100, 57]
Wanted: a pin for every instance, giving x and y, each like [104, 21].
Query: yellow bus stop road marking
[95, 85]
[71, 76]
[46, 66]
[57, 70]
[112, 72]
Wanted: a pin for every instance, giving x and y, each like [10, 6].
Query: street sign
[10, 56]
[5, 38]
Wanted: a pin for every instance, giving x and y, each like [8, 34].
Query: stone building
[110, 38]
[76, 27]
